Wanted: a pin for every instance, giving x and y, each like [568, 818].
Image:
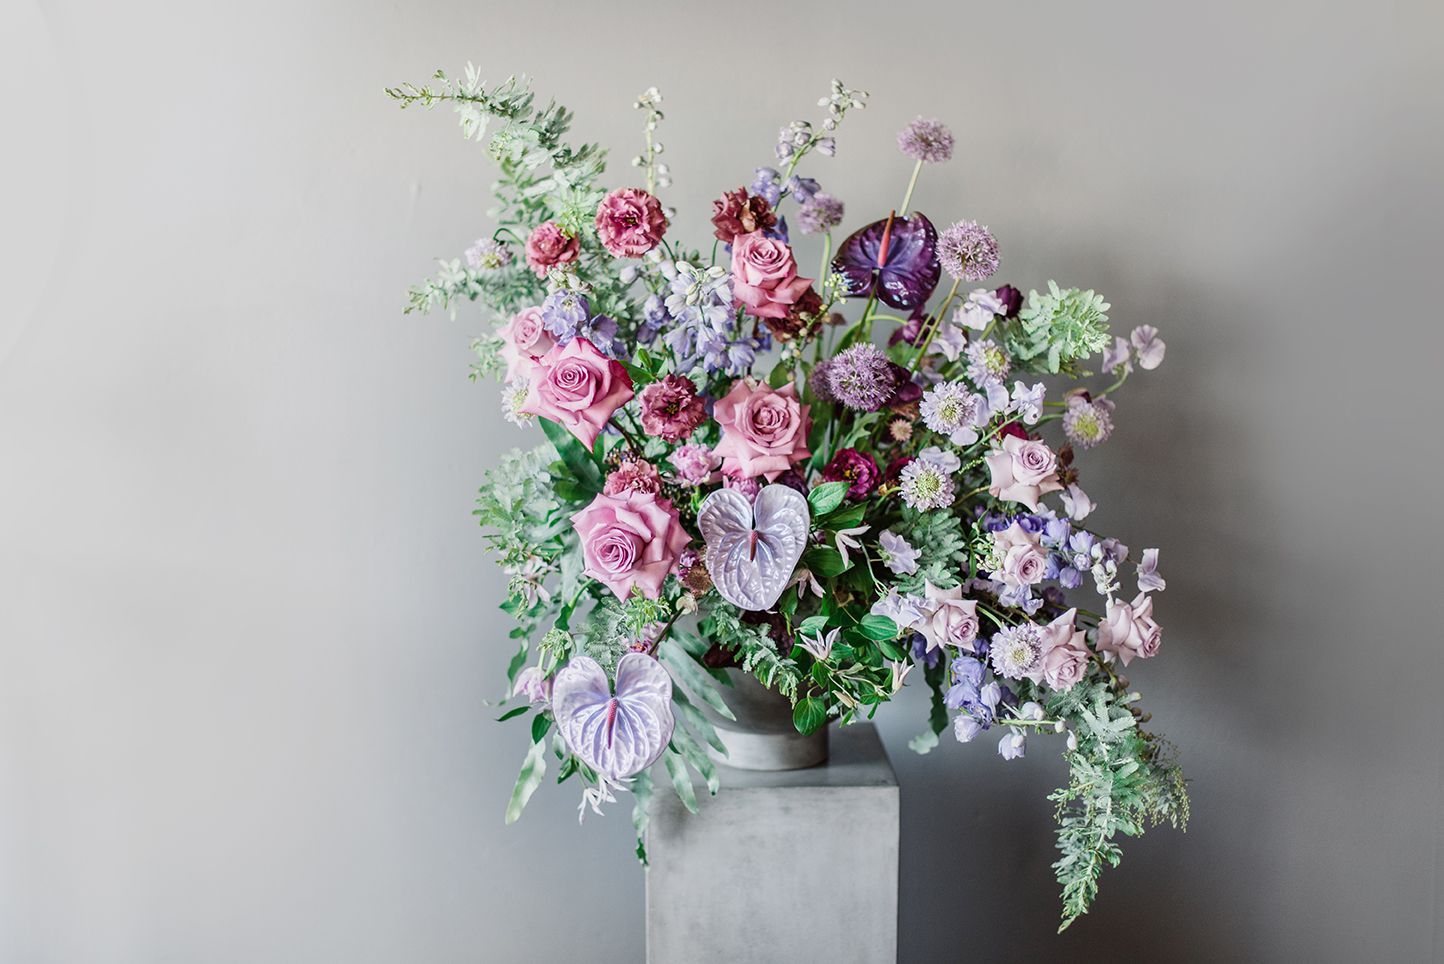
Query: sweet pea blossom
[899, 557]
[1076, 503]
[1028, 402]
[979, 310]
[906, 611]
[1119, 356]
[1148, 578]
[1149, 346]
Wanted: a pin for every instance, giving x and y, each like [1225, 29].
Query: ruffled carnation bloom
[1022, 471]
[801, 315]
[764, 275]
[630, 541]
[748, 487]
[861, 377]
[695, 464]
[671, 408]
[822, 213]
[968, 251]
[633, 475]
[1017, 652]
[737, 212]
[926, 485]
[951, 619]
[858, 469]
[488, 254]
[1022, 559]
[630, 222]
[1128, 629]
[1065, 652]
[524, 339]
[1088, 422]
[547, 247]
[577, 387]
[927, 140]
[764, 430]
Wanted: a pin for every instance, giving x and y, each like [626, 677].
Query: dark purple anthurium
[895, 258]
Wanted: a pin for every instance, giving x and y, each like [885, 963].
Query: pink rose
[633, 475]
[764, 431]
[764, 275]
[671, 408]
[950, 619]
[1023, 470]
[1065, 652]
[1023, 561]
[548, 247]
[1129, 629]
[578, 387]
[630, 541]
[523, 341]
[630, 222]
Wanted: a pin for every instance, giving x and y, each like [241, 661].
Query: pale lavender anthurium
[1148, 578]
[753, 546]
[621, 733]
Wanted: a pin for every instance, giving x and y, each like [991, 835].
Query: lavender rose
[1065, 652]
[1129, 629]
[764, 275]
[524, 339]
[1023, 561]
[950, 620]
[630, 541]
[1022, 471]
[764, 430]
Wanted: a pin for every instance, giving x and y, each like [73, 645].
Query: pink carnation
[1022, 471]
[578, 387]
[630, 222]
[671, 408]
[695, 465]
[548, 247]
[524, 339]
[764, 275]
[630, 541]
[1065, 652]
[764, 430]
[1128, 630]
[748, 487]
[1023, 561]
[633, 475]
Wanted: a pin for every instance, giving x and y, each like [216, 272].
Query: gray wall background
[246, 627]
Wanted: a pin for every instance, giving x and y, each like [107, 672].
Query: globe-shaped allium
[861, 377]
[927, 140]
[968, 251]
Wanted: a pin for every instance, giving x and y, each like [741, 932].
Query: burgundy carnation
[856, 468]
[671, 409]
[736, 212]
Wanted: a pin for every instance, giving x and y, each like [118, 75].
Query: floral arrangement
[740, 474]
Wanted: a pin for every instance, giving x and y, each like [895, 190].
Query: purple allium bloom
[968, 251]
[1088, 422]
[1012, 300]
[861, 377]
[926, 140]
[563, 313]
[818, 382]
[924, 485]
[488, 254]
[767, 185]
[822, 212]
[894, 258]
[1017, 651]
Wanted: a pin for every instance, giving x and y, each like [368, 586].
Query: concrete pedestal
[794, 865]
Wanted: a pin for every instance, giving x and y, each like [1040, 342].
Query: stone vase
[762, 736]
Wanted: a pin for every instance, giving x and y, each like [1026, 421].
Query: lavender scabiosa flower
[1088, 422]
[861, 377]
[513, 396]
[987, 362]
[927, 140]
[925, 485]
[948, 408]
[1017, 652]
[968, 251]
[488, 254]
[822, 212]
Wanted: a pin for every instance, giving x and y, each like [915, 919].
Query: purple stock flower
[894, 258]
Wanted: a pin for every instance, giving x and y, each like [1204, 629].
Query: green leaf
[540, 724]
[533, 768]
[574, 455]
[681, 782]
[640, 376]
[843, 518]
[809, 714]
[781, 374]
[812, 625]
[515, 711]
[826, 497]
[824, 561]
[691, 675]
[642, 794]
[693, 716]
[693, 753]
[878, 627]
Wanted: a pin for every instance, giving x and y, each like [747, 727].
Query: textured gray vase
[763, 737]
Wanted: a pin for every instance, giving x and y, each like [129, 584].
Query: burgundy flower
[736, 212]
[894, 259]
[1012, 300]
[1013, 428]
[671, 409]
[895, 467]
[854, 467]
[801, 316]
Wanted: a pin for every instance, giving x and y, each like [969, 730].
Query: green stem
[912, 183]
[931, 325]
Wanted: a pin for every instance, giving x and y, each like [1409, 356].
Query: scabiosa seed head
[1088, 422]
[822, 213]
[968, 251]
[927, 140]
[861, 377]
[488, 255]
[900, 429]
[924, 485]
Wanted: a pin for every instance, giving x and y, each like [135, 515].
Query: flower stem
[930, 326]
[912, 183]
